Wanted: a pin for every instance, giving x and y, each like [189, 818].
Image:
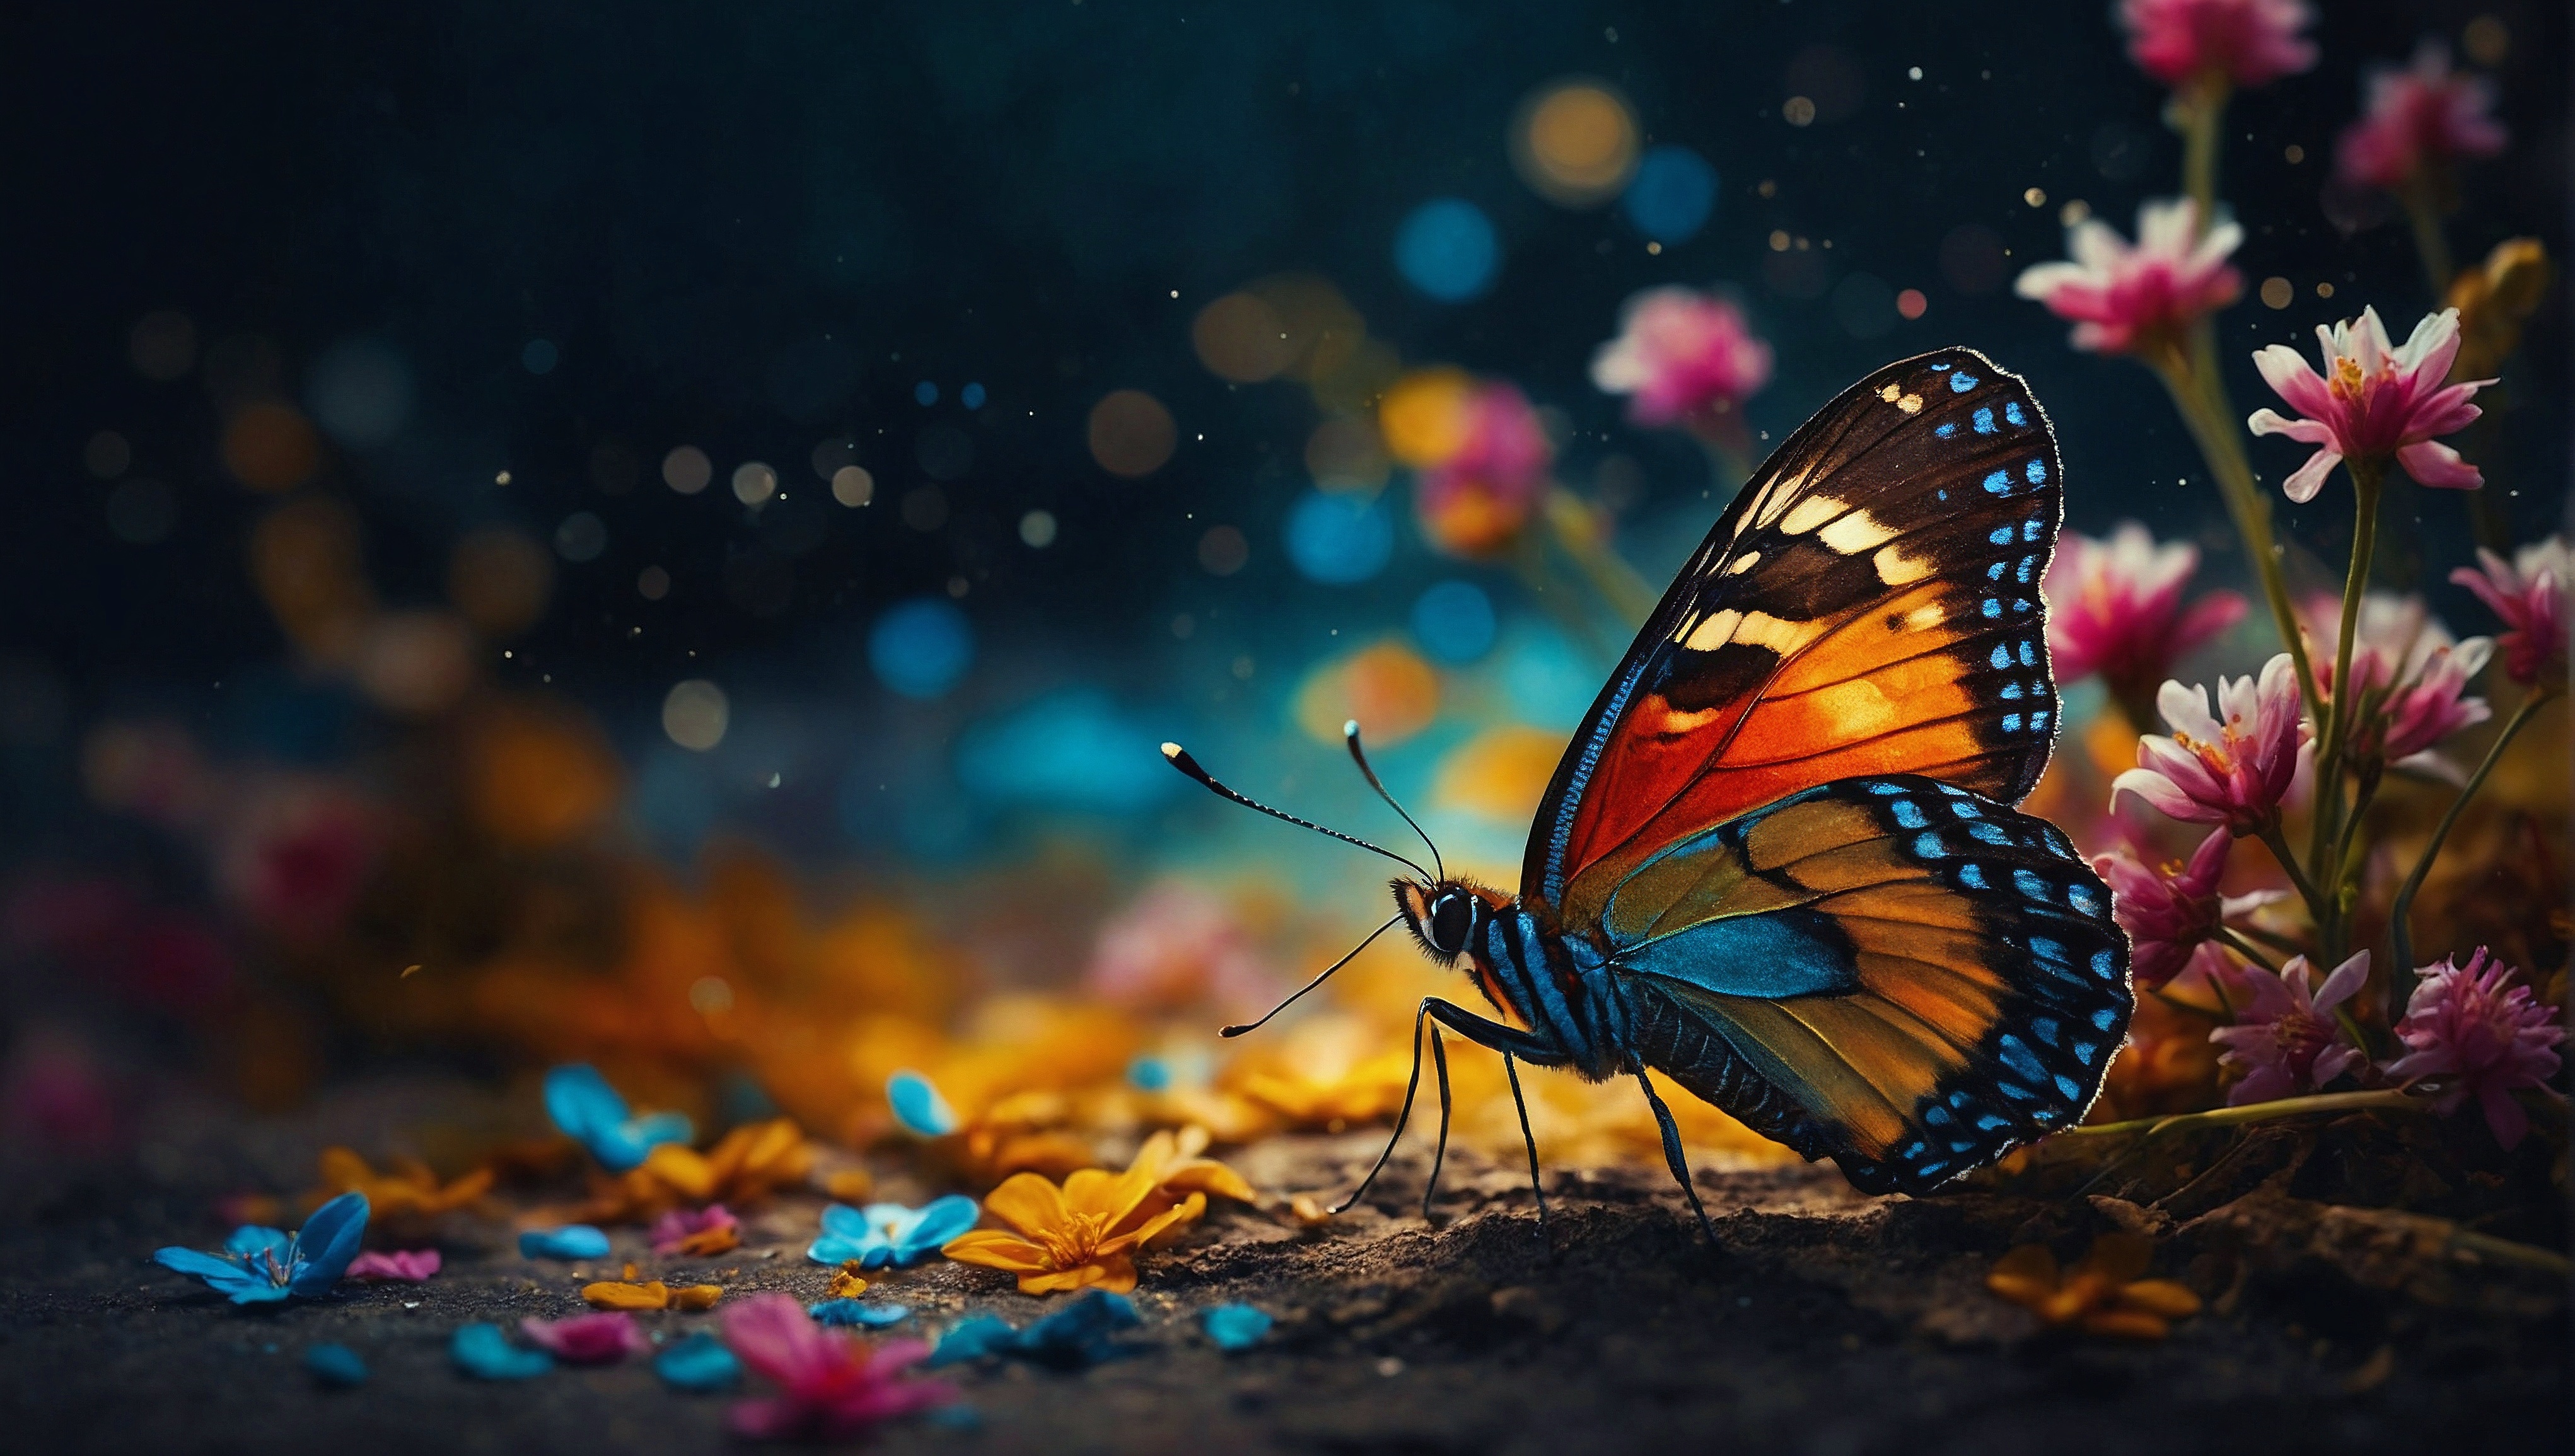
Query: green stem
[2245, 948]
[2203, 109]
[2430, 243]
[2384, 1099]
[2367, 478]
[2279, 844]
[2401, 912]
[2200, 397]
[1577, 529]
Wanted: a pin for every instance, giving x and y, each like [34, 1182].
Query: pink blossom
[2233, 771]
[1176, 945]
[673, 1231]
[406, 1266]
[588, 1339]
[2416, 120]
[2249, 42]
[1681, 356]
[2529, 594]
[2409, 677]
[2380, 401]
[2139, 299]
[2482, 1039]
[2287, 1041]
[1473, 502]
[829, 1384]
[2114, 607]
[2169, 913]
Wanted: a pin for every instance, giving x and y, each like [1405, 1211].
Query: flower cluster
[2417, 121]
[2482, 1039]
[1683, 357]
[2375, 401]
[2409, 679]
[2140, 299]
[2245, 42]
[2172, 913]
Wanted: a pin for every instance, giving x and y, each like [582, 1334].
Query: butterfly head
[1443, 915]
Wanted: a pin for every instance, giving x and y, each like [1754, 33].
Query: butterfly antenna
[1182, 760]
[1351, 735]
[1318, 980]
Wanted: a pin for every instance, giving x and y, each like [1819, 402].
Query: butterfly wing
[1895, 972]
[1868, 605]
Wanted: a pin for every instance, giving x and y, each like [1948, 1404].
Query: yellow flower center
[1071, 1244]
[2347, 378]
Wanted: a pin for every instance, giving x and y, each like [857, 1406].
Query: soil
[1826, 1322]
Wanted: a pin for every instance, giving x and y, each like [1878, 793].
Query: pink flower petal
[2436, 465]
[2302, 484]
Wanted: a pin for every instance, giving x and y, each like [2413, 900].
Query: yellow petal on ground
[616, 1294]
[1206, 1175]
[994, 1249]
[696, 1297]
[847, 1281]
[683, 1169]
[1026, 1203]
[2126, 1324]
[2164, 1297]
[1144, 1232]
[1310, 1212]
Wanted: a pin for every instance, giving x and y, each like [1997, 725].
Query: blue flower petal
[919, 1106]
[858, 1312]
[582, 1102]
[482, 1351]
[198, 1264]
[336, 1365]
[942, 1220]
[1234, 1326]
[572, 1241]
[973, 1338]
[253, 1291]
[1079, 1333]
[661, 1128]
[833, 1250]
[327, 1242]
[700, 1362]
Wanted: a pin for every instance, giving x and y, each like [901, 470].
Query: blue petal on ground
[1234, 1326]
[973, 1338]
[938, 1222]
[1082, 1333]
[858, 1312]
[572, 1241]
[917, 1106]
[336, 1365]
[327, 1242]
[482, 1351]
[700, 1362]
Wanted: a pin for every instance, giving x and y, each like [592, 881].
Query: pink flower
[2114, 607]
[2530, 596]
[1176, 945]
[2482, 1040]
[1681, 357]
[2380, 401]
[2169, 913]
[407, 1266]
[829, 1383]
[695, 1230]
[2233, 772]
[588, 1339]
[2287, 1041]
[2139, 299]
[1473, 502]
[2409, 677]
[2416, 121]
[2249, 42]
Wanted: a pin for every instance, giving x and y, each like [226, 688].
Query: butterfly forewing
[1870, 603]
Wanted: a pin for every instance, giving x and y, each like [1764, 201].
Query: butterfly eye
[1449, 918]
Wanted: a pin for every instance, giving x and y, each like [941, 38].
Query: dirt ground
[1828, 1323]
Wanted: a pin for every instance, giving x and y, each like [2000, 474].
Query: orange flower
[1082, 1234]
[748, 1164]
[626, 1294]
[1172, 1161]
[407, 1187]
[2102, 1295]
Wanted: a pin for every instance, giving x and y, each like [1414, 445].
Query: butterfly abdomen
[1560, 988]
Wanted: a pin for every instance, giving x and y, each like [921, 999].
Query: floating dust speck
[2036, 197]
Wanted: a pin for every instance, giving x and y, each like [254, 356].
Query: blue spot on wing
[1961, 382]
[1984, 422]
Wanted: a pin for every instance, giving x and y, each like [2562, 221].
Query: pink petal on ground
[773, 1335]
[2433, 464]
[411, 1266]
[2306, 480]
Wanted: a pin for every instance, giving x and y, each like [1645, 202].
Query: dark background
[750, 227]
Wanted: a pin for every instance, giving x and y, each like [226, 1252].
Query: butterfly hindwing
[1870, 603]
[1896, 973]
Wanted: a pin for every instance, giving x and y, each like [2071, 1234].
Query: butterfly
[1780, 861]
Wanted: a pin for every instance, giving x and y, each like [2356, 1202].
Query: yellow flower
[407, 1187]
[626, 1294]
[847, 1282]
[746, 1166]
[2101, 1296]
[1082, 1234]
[1172, 1160]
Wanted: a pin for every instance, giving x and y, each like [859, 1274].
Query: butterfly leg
[1511, 1068]
[1490, 1034]
[1672, 1155]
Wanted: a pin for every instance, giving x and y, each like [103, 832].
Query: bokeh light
[1071, 750]
[1424, 416]
[1386, 687]
[1672, 195]
[853, 487]
[754, 482]
[925, 394]
[1500, 774]
[695, 712]
[1575, 142]
[581, 536]
[653, 583]
[1131, 433]
[162, 346]
[1446, 249]
[1346, 453]
[1338, 540]
[416, 664]
[540, 775]
[1222, 551]
[687, 469]
[500, 580]
[1829, 80]
[271, 446]
[1037, 530]
[360, 392]
[972, 396]
[1454, 621]
[920, 648]
[1239, 337]
[1912, 302]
